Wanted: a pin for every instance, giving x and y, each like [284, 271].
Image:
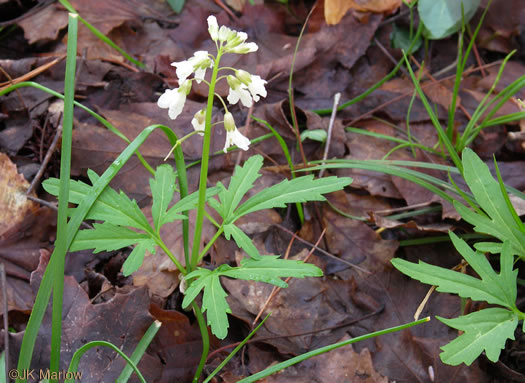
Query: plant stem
[65, 163]
[204, 168]
[211, 242]
[205, 340]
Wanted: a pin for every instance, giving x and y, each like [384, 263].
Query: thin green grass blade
[281, 366]
[470, 131]
[139, 351]
[377, 85]
[441, 238]
[507, 200]
[180, 165]
[61, 245]
[504, 119]
[414, 213]
[433, 117]
[235, 350]
[286, 152]
[428, 182]
[401, 141]
[44, 292]
[460, 68]
[100, 35]
[73, 366]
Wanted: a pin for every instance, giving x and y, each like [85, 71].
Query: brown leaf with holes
[123, 320]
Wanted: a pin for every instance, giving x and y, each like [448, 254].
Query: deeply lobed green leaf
[493, 288]
[485, 330]
[500, 222]
[267, 269]
[301, 189]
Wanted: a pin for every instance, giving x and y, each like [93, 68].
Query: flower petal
[166, 98]
[256, 87]
[184, 69]
[241, 93]
[213, 27]
[176, 106]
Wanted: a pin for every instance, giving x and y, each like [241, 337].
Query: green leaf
[196, 286]
[111, 206]
[215, 305]
[136, 257]
[162, 190]
[488, 247]
[213, 301]
[444, 17]
[176, 5]
[500, 222]
[486, 330]
[493, 288]
[270, 268]
[300, 189]
[242, 240]
[187, 203]
[314, 135]
[400, 39]
[106, 237]
[241, 182]
[267, 269]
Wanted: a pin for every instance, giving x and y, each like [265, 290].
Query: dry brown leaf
[14, 205]
[334, 10]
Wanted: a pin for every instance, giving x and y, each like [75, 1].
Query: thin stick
[409, 93]
[275, 288]
[267, 338]
[5, 309]
[423, 302]
[47, 158]
[337, 98]
[324, 251]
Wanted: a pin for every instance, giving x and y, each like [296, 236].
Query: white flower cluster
[243, 86]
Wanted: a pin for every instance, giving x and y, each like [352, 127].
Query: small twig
[402, 208]
[265, 339]
[434, 81]
[324, 251]
[389, 56]
[5, 310]
[410, 92]
[337, 98]
[53, 207]
[11, 82]
[275, 288]
[47, 158]
[35, 72]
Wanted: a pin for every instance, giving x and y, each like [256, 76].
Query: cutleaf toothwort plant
[122, 223]
[488, 329]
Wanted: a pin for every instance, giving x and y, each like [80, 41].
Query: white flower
[213, 28]
[235, 41]
[233, 136]
[198, 121]
[255, 83]
[244, 48]
[238, 91]
[198, 64]
[174, 99]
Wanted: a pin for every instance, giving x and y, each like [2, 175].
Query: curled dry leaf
[14, 205]
[334, 10]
